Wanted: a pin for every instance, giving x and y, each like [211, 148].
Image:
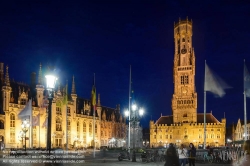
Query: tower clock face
[183, 51]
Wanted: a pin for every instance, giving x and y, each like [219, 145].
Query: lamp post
[50, 81]
[21, 135]
[53, 136]
[134, 119]
[25, 127]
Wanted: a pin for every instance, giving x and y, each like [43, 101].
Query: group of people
[181, 156]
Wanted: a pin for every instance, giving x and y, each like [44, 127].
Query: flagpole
[39, 127]
[94, 118]
[245, 107]
[31, 125]
[204, 144]
[66, 117]
[129, 109]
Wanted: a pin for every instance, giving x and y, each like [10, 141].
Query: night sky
[105, 37]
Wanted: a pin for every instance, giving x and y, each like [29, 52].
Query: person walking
[191, 154]
[182, 152]
[171, 156]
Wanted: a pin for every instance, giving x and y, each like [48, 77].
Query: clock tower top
[184, 101]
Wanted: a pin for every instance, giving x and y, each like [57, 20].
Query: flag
[93, 96]
[26, 112]
[45, 123]
[214, 83]
[36, 120]
[246, 81]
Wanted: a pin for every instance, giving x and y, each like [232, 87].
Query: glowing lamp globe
[50, 81]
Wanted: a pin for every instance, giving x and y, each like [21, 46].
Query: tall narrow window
[34, 135]
[68, 125]
[96, 128]
[77, 127]
[182, 79]
[186, 81]
[12, 120]
[84, 127]
[12, 128]
[58, 124]
[68, 111]
[58, 111]
[90, 129]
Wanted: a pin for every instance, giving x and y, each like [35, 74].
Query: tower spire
[73, 90]
[40, 75]
[7, 79]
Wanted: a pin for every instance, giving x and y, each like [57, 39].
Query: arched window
[95, 128]
[1, 124]
[183, 39]
[84, 127]
[58, 124]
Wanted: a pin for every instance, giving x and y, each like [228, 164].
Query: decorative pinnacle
[7, 79]
[73, 90]
[40, 75]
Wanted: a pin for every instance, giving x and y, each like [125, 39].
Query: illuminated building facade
[109, 123]
[185, 125]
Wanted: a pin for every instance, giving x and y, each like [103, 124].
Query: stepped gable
[17, 87]
[80, 105]
[109, 111]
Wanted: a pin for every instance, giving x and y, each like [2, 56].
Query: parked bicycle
[208, 157]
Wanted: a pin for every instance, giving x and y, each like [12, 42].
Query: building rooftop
[200, 119]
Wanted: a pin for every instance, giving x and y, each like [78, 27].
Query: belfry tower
[184, 101]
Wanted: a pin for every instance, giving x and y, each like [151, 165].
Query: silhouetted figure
[171, 156]
[191, 154]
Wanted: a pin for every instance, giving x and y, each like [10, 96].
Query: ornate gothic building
[185, 125]
[109, 122]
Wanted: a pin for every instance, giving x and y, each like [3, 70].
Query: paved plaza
[87, 159]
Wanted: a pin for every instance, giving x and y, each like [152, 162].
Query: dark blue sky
[106, 37]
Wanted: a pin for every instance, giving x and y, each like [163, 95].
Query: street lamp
[25, 126]
[134, 118]
[50, 81]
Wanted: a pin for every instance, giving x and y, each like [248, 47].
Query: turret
[6, 91]
[1, 72]
[39, 88]
[98, 107]
[74, 96]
